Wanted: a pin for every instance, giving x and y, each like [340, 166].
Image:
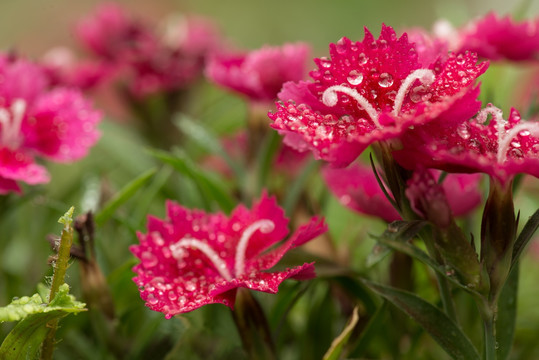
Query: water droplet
[515, 144]
[172, 295]
[449, 271]
[362, 59]
[524, 133]
[189, 286]
[325, 62]
[516, 153]
[392, 95]
[386, 80]
[345, 199]
[460, 59]
[148, 259]
[463, 132]
[355, 77]
[152, 299]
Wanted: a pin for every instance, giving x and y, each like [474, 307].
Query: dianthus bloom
[501, 148]
[36, 120]
[373, 91]
[152, 62]
[192, 258]
[356, 187]
[491, 37]
[259, 74]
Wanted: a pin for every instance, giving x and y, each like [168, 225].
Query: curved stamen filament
[330, 98]
[497, 115]
[503, 145]
[219, 264]
[11, 123]
[265, 226]
[425, 76]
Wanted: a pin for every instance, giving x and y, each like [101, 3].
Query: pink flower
[496, 38]
[356, 187]
[501, 148]
[58, 124]
[372, 91]
[192, 258]
[259, 74]
[150, 61]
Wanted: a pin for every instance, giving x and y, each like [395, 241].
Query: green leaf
[295, 189]
[209, 186]
[525, 236]
[122, 196]
[372, 329]
[442, 329]
[264, 158]
[21, 308]
[340, 341]
[208, 142]
[507, 315]
[24, 341]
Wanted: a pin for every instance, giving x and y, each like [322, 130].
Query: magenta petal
[192, 258]
[259, 74]
[16, 165]
[61, 125]
[8, 185]
[357, 188]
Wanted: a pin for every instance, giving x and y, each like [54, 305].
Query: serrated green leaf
[26, 306]
[525, 236]
[122, 196]
[440, 327]
[209, 186]
[340, 341]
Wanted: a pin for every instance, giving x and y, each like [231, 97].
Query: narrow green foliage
[340, 341]
[442, 329]
[122, 196]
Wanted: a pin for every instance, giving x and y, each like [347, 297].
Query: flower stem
[489, 328]
[253, 327]
[58, 277]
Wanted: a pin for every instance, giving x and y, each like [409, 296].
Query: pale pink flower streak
[192, 258]
[371, 91]
[261, 73]
[36, 120]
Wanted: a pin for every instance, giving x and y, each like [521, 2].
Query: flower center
[10, 123]
[505, 138]
[330, 97]
[265, 226]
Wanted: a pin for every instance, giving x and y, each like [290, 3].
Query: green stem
[490, 338]
[58, 278]
[253, 327]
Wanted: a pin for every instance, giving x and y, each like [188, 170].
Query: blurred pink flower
[496, 38]
[193, 258]
[356, 187]
[491, 37]
[371, 91]
[261, 73]
[501, 148]
[149, 61]
[35, 120]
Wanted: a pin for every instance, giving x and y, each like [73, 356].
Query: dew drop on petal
[386, 80]
[463, 132]
[152, 299]
[515, 144]
[524, 133]
[148, 259]
[355, 77]
[362, 59]
[189, 286]
[172, 295]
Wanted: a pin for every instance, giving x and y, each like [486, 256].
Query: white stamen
[497, 115]
[219, 264]
[265, 226]
[11, 123]
[425, 76]
[329, 98]
[503, 145]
